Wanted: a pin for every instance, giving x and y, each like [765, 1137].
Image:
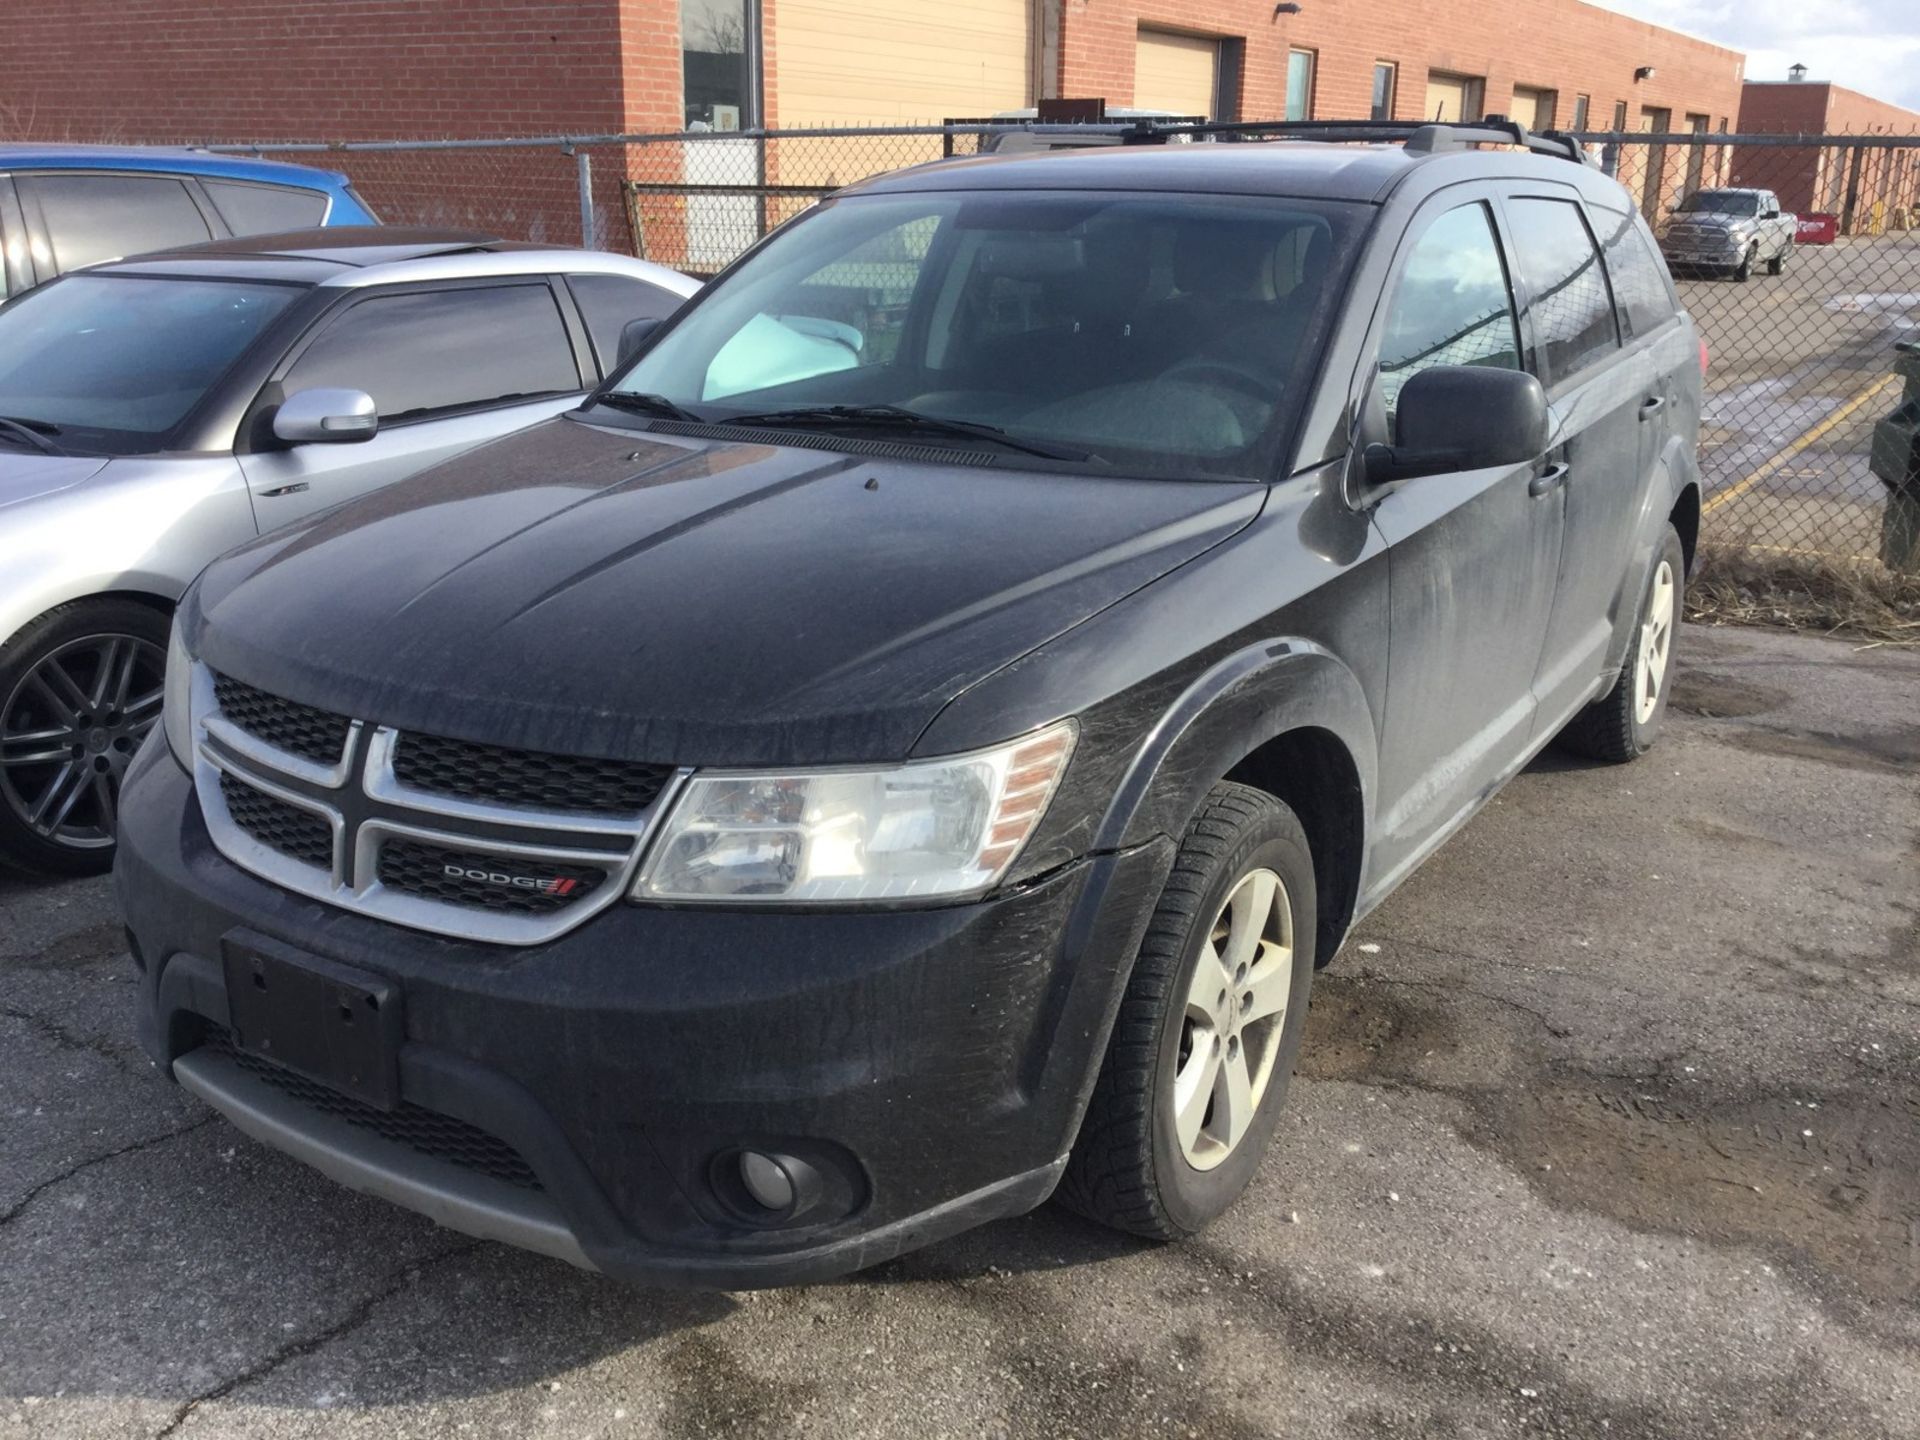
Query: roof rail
[1422, 137]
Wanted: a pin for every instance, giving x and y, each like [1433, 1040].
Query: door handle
[1652, 406]
[1551, 478]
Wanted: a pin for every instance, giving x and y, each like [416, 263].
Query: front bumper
[931, 1064]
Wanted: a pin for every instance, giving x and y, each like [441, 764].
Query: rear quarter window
[263, 209]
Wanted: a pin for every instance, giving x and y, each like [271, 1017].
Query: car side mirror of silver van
[326, 416]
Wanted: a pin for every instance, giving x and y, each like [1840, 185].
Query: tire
[1777, 264]
[1744, 270]
[79, 688]
[1624, 723]
[1132, 1167]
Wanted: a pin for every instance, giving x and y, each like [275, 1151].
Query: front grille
[430, 1133]
[498, 775]
[302, 730]
[484, 882]
[294, 832]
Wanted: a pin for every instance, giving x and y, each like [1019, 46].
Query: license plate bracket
[329, 1022]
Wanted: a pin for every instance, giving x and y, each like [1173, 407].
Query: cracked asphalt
[1608, 1125]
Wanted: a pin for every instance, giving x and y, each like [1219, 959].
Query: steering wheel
[1234, 377]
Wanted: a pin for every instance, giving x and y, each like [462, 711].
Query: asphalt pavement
[1608, 1125]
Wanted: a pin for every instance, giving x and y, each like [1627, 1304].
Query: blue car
[64, 206]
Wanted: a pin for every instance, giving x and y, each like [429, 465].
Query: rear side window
[1641, 291]
[263, 209]
[430, 351]
[101, 217]
[1452, 305]
[1568, 298]
[608, 302]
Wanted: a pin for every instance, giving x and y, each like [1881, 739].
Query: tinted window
[1452, 305]
[439, 349]
[101, 217]
[1641, 292]
[263, 209]
[1568, 298]
[117, 361]
[608, 302]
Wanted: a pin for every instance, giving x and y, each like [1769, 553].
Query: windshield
[1721, 202]
[112, 363]
[1143, 334]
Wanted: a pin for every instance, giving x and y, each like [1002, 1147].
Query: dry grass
[1858, 599]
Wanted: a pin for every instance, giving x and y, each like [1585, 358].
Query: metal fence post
[583, 174]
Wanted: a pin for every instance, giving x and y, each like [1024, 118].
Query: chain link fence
[1802, 350]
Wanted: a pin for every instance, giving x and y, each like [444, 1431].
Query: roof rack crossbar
[1422, 137]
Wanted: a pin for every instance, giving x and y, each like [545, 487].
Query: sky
[1867, 45]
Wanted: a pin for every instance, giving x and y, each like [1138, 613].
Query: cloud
[1867, 45]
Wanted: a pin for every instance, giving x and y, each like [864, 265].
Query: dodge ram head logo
[553, 885]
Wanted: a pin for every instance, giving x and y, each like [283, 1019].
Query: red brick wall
[1568, 46]
[1884, 184]
[174, 70]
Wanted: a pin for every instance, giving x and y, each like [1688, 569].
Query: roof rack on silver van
[1423, 137]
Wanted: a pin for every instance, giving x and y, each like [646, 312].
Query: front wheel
[1623, 724]
[1777, 264]
[1744, 270]
[79, 689]
[1197, 1067]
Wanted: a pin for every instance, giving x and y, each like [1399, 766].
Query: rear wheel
[79, 689]
[1197, 1068]
[1623, 724]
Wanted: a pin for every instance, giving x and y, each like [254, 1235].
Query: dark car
[763, 822]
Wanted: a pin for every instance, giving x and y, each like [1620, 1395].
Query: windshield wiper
[898, 417]
[32, 432]
[642, 403]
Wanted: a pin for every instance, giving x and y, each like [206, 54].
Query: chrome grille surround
[366, 807]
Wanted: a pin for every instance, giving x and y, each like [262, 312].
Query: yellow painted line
[1826, 426]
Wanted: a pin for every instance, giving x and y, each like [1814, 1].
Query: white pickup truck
[1730, 230]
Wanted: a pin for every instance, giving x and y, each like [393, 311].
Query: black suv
[901, 749]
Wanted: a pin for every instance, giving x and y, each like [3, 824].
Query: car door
[76, 218]
[448, 366]
[1599, 396]
[1472, 555]
[1781, 228]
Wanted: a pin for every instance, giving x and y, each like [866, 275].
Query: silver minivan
[159, 410]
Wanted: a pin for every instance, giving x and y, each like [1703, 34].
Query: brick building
[378, 69]
[1867, 188]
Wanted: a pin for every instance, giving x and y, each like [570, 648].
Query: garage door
[1180, 73]
[879, 62]
[1452, 97]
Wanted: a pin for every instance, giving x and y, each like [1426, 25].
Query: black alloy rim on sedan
[69, 730]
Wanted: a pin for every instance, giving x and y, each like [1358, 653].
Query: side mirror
[326, 417]
[1462, 417]
[633, 335]
[1769, 214]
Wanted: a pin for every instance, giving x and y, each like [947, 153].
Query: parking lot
[1799, 371]
[1608, 1125]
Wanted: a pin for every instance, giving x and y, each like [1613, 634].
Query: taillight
[1703, 357]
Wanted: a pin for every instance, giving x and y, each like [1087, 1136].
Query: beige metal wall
[878, 62]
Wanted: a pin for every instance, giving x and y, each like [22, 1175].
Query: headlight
[925, 829]
[177, 713]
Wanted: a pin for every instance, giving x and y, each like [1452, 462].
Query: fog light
[766, 1180]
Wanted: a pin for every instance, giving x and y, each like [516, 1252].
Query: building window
[1385, 73]
[1581, 104]
[1300, 68]
[715, 76]
[1619, 116]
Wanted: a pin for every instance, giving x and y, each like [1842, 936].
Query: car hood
[1713, 220]
[613, 592]
[27, 474]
